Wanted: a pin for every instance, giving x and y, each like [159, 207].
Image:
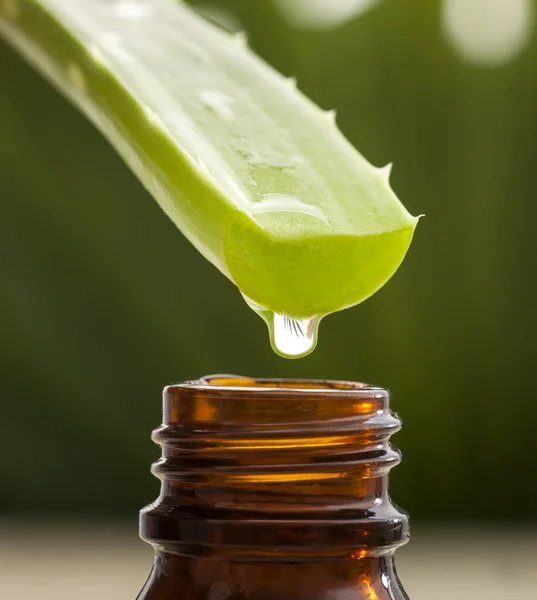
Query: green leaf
[256, 176]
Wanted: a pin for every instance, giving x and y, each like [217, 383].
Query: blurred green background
[104, 306]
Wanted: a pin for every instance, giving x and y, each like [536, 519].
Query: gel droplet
[294, 338]
[290, 338]
[284, 203]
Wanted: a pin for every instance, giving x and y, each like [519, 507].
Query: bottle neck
[261, 474]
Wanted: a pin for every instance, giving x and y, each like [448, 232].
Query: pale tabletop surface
[109, 563]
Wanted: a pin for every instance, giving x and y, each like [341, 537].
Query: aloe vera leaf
[255, 175]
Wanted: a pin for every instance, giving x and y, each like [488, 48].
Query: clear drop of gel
[289, 337]
[294, 338]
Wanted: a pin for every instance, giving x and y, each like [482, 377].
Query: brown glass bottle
[274, 490]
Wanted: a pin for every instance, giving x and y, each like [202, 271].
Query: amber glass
[274, 490]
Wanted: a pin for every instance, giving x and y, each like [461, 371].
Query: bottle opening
[227, 381]
[231, 382]
[235, 398]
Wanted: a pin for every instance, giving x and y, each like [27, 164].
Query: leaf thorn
[291, 82]
[385, 172]
[331, 116]
[240, 38]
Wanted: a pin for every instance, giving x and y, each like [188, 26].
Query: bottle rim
[233, 384]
